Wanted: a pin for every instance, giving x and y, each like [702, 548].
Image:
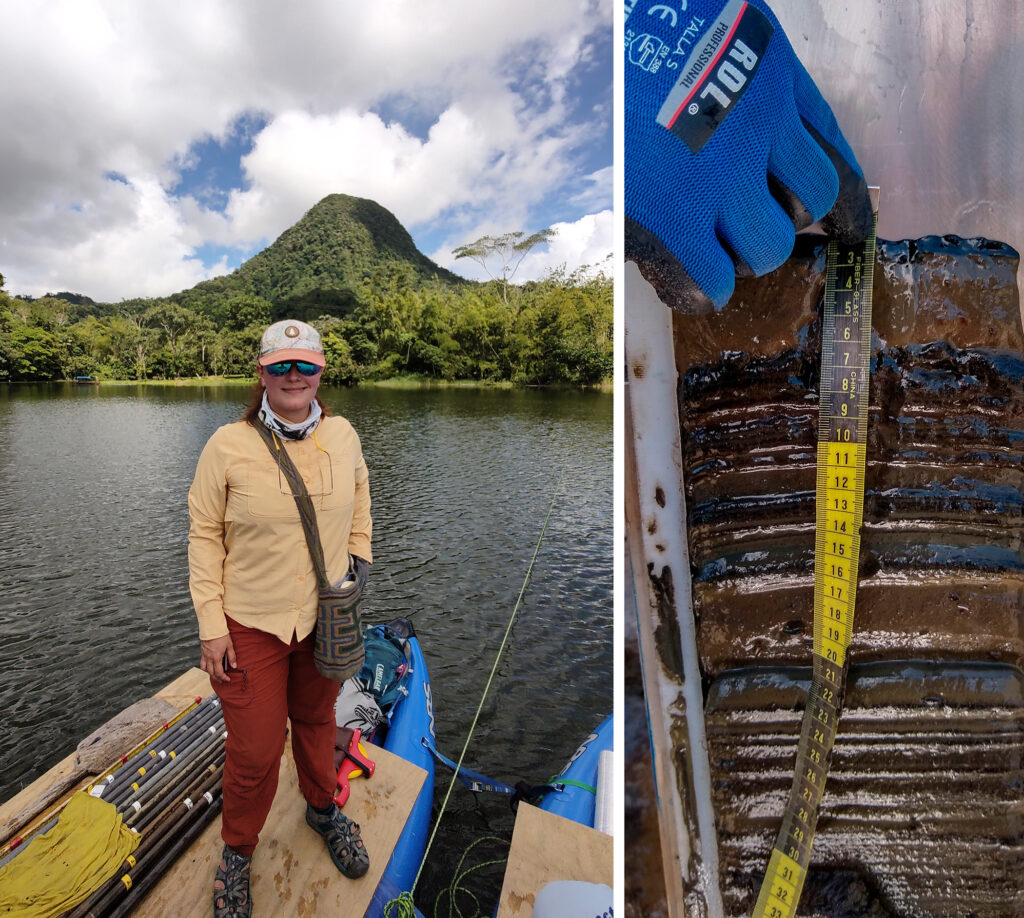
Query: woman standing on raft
[255, 595]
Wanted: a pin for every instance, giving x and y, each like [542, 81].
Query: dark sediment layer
[922, 814]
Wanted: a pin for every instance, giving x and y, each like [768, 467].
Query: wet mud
[923, 813]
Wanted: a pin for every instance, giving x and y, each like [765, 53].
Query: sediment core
[923, 813]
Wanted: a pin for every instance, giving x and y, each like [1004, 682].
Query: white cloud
[300, 158]
[148, 251]
[587, 242]
[94, 87]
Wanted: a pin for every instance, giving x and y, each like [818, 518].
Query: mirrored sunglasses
[280, 369]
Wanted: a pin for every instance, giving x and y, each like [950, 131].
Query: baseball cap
[291, 340]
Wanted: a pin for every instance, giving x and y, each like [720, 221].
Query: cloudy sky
[145, 146]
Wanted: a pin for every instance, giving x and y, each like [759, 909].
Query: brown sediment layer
[945, 473]
[938, 288]
[923, 804]
[923, 810]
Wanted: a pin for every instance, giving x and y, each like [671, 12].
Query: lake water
[94, 605]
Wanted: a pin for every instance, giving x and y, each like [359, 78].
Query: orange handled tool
[354, 763]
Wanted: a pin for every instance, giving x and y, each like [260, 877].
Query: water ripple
[94, 604]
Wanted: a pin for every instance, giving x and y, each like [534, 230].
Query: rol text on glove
[729, 150]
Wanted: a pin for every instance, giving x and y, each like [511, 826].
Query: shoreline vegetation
[395, 382]
[555, 331]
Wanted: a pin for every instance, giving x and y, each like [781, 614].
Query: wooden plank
[17, 804]
[181, 693]
[184, 690]
[546, 847]
[292, 873]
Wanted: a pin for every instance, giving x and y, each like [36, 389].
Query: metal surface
[928, 94]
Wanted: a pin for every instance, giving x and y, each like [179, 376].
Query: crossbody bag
[338, 646]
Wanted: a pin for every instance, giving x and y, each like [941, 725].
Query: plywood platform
[292, 874]
[546, 847]
[181, 693]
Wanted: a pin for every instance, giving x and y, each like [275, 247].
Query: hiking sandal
[344, 843]
[231, 886]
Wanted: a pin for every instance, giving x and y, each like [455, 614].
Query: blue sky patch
[211, 254]
[212, 169]
[594, 99]
[416, 117]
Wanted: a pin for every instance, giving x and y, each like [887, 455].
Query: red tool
[354, 753]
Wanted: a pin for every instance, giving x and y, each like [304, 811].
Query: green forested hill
[350, 268]
[319, 265]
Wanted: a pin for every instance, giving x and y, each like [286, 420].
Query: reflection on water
[94, 604]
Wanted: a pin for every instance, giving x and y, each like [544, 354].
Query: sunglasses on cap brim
[280, 369]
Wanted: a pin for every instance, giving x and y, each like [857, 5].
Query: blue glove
[729, 149]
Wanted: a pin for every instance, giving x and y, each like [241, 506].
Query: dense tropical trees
[558, 330]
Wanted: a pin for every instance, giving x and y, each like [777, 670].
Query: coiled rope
[456, 887]
[402, 906]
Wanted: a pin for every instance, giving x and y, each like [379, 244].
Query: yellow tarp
[67, 864]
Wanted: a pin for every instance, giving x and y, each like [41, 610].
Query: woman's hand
[214, 652]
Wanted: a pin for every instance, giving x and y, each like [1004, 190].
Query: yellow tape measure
[842, 440]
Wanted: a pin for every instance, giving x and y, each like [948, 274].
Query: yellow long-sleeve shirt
[247, 555]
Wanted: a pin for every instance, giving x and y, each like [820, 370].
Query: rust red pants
[274, 682]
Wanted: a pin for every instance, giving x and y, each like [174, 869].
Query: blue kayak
[395, 673]
[574, 793]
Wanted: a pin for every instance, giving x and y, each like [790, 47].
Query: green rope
[402, 906]
[456, 887]
[569, 782]
[404, 901]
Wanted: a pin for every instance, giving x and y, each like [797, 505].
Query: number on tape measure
[842, 442]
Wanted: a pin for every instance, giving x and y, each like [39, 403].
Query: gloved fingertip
[790, 203]
[851, 219]
[742, 268]
[664, 272]
[759, 240]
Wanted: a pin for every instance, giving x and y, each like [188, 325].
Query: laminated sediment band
[842, 448]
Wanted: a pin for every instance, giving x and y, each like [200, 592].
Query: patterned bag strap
[302, 500]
